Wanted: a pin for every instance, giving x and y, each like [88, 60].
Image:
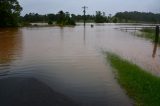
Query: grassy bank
[148, 33]
[140, 85]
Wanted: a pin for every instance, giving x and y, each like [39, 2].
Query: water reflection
[84, 35]
[62, 33]
[10, 44]
[155, 50]
[57, 56]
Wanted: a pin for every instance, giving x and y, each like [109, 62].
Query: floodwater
[71, 60]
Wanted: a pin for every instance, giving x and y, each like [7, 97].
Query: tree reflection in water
[10, 44]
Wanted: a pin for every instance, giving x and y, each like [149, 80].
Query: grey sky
[75, 6]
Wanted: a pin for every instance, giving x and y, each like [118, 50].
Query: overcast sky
[75, 6]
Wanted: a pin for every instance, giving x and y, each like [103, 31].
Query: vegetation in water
[61, 18]
[140, 85]
[148, 30]
[148, 33]
[50, 22]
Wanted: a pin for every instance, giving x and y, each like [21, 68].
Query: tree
[114, 19]
[64, 19]
[51, 17]
[50, 22]
[9, 13]
[35, 17]
[61, 18]
[100, 17]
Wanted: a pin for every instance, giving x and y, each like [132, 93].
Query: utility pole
[84, 16]
[157, 34]
[156, 41]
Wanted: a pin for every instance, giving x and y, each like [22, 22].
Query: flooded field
[71, 60]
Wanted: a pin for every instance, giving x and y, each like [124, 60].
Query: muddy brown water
[71, 60]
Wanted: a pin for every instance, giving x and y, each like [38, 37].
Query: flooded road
[70, 60]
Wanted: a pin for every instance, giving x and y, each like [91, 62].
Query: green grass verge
[140, 85]
[150, 36]
[148, 33]
[148, 30]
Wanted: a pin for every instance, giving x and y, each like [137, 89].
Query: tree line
[100, 17]
[35, 17]
[138, 17]
[61, 18]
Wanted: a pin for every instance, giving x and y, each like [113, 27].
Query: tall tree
[65, 19]
[100, 17]
[61, 18]
[9, 12]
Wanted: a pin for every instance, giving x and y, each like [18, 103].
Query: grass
[148, 33]
[148, 30]
[140, 85]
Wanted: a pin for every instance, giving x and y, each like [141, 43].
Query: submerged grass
[140, 85]
[148, 30]
[147, 33]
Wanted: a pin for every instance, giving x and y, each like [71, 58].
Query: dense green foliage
[140, 85]
[60, 18]
[138, 17]
[67, 18]
[100, 17]
[64, 19]
[50, 22]
[35, 17]
[9, 13]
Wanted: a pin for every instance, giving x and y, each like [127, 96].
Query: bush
[50, 22]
